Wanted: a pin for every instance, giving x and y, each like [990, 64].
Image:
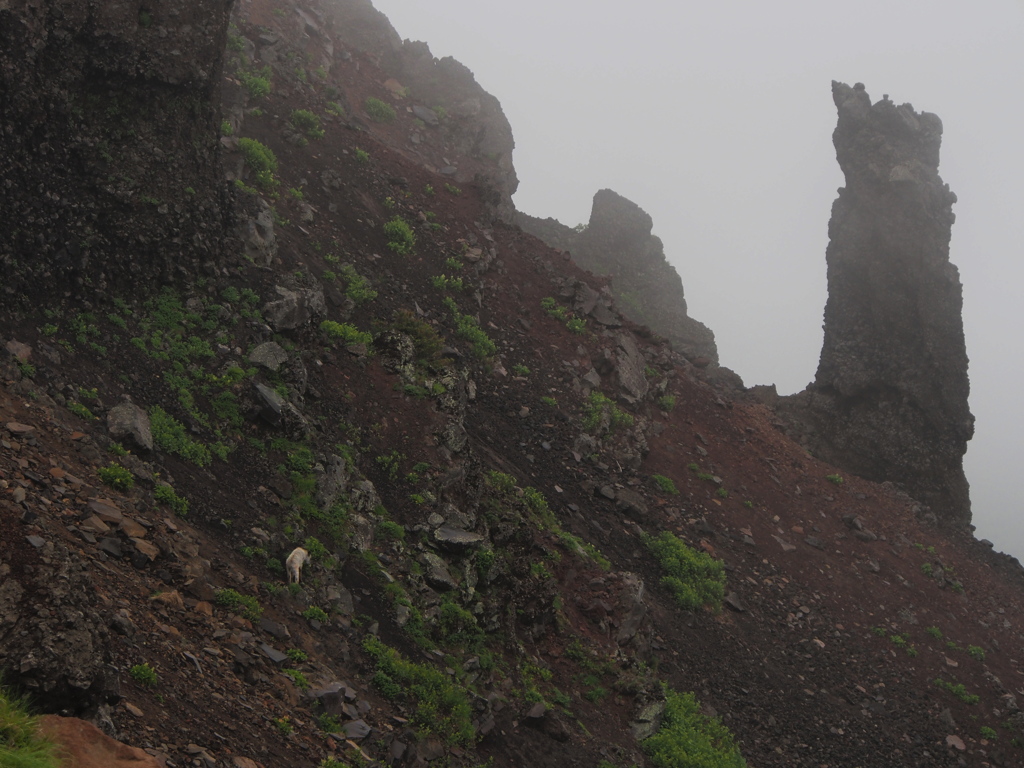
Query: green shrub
[689, 739]
[143, 674]
[934, 632]
[957, 690]
[308, 123]
[345, 333]
[362, 156]
[117, 477]
[357, 287]
[246, 605]
[257, 83]
[667, 402]
[665, 484]
[390, 530]
[261, 161]
[835, 479]
[169, 435]
[78, 409]
[988, 733]
[312, 613]
[379, 111]
[21, 743]
[694, 578]
[297, 655]
[438, 705]
[166, 495]
[467, 327]
[401, 240]
[599, 407]
[975, 652]
[301, 681]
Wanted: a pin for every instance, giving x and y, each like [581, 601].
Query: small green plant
[879, 631]
[452, 189]
[722, 493]
[988, 733]
[429, 189]
[898, 640]
[295, 193]
[688, 738]
[539, 571]
[835, 479]
[600, 410]
[308, 123]
[357, 287]
[261, 160]
[245, 605]
[345, 333]
[957, 690]
[300, 680]
[667, 403]
[576, 325]
[379, 111]
[256, 83]
[467, 327]
[665, 484]
[334, 108]
[117, 449]
[117, 477]
[694, 578]
[549, 401]
[927, 569]
[284, 724]
[520, 370]
[362, 156]
[748, 504]
[390, 530]
[170, 435]
[401, 239]
[312, 613]
[78, 409]
[165, 494]
[976, 652]
[934, 632]
[143, 674]
[225, 128]
[445, 283]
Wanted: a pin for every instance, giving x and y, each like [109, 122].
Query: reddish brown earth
[802, 668]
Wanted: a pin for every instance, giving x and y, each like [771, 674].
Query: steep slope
[889, 400]
[478, 468]
[618, 242]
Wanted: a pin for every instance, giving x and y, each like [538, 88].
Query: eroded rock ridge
[618, 241]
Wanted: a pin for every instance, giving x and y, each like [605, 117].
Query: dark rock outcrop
[108, 142]
[472, 128]
[889, 401]
[647, 289]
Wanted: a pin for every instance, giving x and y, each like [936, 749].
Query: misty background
[717, 120]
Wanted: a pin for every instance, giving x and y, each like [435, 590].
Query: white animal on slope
[298, 558]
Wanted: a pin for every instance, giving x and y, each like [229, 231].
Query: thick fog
[716, 118]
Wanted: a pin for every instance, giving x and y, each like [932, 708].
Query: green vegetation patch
[467, 327]
[694, 578]
[957, 690]
[21, 743]
[308, 123]
[439, 705]
[665, 484]
[379, 111]
[689, 739]
[143, 674]
[169, 435]
[598, 408]
[401, 239]
[165, 495]
[261, 161]
[246, 605]
[117, 477]
[345, 333]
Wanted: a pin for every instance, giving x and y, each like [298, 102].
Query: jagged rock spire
[889, 401]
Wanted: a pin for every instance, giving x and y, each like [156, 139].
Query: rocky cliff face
[889, 400]
[618, 242]
[108, 141]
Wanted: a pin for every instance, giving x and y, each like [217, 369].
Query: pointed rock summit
[618, 241]
[889, 400]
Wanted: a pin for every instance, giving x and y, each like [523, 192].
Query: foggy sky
[717, 120]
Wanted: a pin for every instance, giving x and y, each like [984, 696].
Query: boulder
[128, 422]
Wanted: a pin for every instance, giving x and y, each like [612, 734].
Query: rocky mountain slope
[527, 514]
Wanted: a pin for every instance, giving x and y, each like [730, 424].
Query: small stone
[955, 742]
[356, 729]
[36, 541]
[18, 429]
[132, 709]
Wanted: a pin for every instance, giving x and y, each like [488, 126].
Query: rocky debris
[256, 231]
[889, 400]
[456, 539]
[295, 307]
[129, 422]
[269, 355]
[647, 289]
[631, 367]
